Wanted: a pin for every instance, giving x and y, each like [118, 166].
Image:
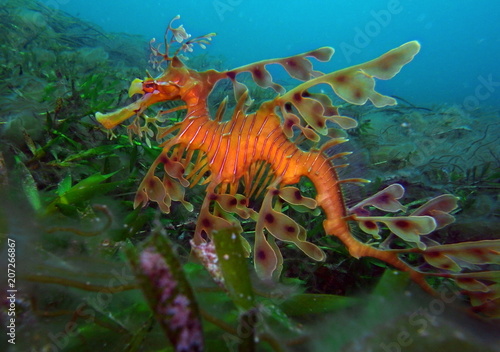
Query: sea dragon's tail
[330, 198]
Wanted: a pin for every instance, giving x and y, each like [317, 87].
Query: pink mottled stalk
[171, 304]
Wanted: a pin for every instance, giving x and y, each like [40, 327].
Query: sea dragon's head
[176, 83]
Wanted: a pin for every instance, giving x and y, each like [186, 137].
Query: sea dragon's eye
[149, 87]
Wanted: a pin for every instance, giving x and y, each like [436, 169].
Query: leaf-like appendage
[300, 67]
[233, 204]
[355, 85]
[292, 195]
[471, 284]
[390, 63]
[439, 208]
[483, 289]
[157, 193]
[312, 111]
[265, 257]
[297, 66]
[369, 226]
[176, 192]
[408, 228]
[476, 252]
[386, 200]
[175, 169]
[440, 260]
[284, 228]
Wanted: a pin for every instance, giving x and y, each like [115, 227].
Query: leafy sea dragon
[266, 152]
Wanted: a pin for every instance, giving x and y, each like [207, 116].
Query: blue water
[458, 63]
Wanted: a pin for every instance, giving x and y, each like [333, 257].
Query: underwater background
[460, 45]
[67, 186]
